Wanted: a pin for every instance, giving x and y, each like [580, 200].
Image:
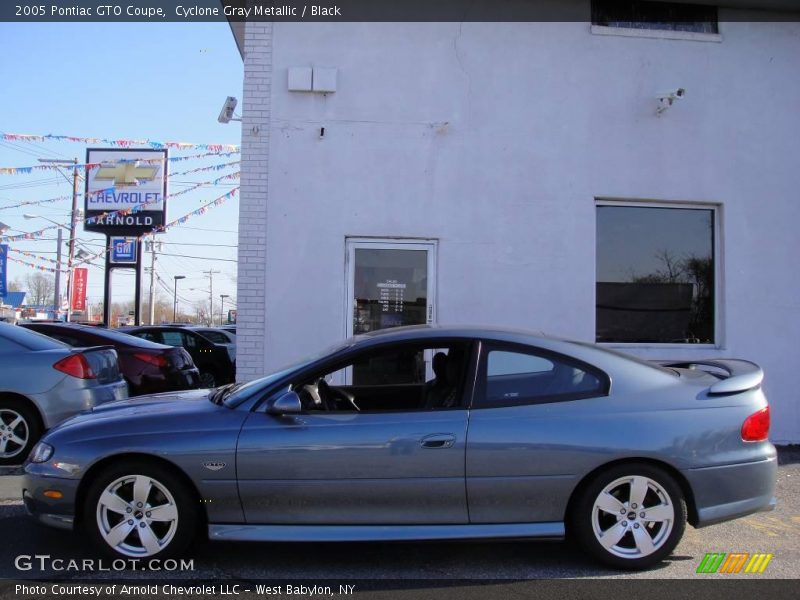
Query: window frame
[479, 401]
[717, 247]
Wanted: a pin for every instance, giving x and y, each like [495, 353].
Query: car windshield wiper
[219, 394]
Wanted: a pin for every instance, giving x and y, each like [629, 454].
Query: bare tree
[40, 288]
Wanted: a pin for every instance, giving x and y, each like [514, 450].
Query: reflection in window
[655, 275]
[391, 288]
[668, 16]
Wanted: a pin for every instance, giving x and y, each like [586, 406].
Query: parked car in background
[43, 381]
[513, 435]
[148, 367]
[221, 337]
[213, 362]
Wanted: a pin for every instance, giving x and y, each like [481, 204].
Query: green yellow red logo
[735, 562]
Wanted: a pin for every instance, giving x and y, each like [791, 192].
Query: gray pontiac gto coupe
[422, 433]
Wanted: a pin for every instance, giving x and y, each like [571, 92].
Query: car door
[374, 467]
[530, 428]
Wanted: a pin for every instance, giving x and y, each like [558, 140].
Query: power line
[210, 245]
[202, 257]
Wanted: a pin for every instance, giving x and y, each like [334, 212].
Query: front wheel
[630, 516]
[140, 511]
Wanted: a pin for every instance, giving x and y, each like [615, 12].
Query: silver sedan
[422, 433]
[43, 382]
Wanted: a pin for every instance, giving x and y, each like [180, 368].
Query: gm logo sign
[736, 562]
[123, 250]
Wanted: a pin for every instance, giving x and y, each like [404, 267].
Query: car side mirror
[285, 404]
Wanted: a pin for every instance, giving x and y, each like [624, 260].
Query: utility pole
[73, 223]
[153, 246]
[222, 306]
[57, 291]
[210, 274]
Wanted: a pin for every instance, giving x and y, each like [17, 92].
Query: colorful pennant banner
[34, 256]
[33, 235]
[119, 143]
[33, 266]
[89, 166]
[218, 167]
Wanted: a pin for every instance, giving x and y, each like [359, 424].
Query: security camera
[226, 114]
[666, 99]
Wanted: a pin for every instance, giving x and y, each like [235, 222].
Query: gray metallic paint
[510, 473]
[28, 372]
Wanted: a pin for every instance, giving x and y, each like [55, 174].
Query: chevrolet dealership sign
[125, 190]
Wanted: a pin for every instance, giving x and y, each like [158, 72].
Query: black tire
[208, 379]
[18, 421]
[631, 550]
[99, 521]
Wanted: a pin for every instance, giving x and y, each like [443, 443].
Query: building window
[655, 274]
[664, 16]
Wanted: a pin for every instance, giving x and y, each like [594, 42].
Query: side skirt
[382, 533]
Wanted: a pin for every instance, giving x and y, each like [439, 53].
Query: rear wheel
[19, 431]
[630, 516]
[140, 511]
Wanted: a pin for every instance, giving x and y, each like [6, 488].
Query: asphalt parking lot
[777, 532]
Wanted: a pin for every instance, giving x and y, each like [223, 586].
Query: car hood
[153, 407]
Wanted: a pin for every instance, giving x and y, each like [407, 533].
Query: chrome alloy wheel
[14, 433]
[137, 516]
[633, 517]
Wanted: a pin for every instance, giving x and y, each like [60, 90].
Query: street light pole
[221, 306]
[175, 300]
[57, 290]
[59, 238]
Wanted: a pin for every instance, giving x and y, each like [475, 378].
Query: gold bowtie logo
[128, 173]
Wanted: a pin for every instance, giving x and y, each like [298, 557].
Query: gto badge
[214, 465]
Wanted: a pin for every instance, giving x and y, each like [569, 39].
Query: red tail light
[756, 427]
[153, 359]
[76, 365]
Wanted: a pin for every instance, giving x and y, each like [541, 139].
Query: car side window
[401, 377]
[215, 337]
[190, 342]
[515, 377]
[150, 336]
[172, 338]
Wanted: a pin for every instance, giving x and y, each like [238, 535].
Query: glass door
[390, 283]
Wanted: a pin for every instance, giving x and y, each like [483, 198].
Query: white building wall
[252, 280]
[495, 139]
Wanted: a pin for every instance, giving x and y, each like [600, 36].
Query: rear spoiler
[742, 375]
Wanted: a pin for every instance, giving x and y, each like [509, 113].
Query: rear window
[28, 339]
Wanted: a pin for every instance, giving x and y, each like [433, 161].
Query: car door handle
[438, 440]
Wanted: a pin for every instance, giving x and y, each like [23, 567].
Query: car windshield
[237, 394]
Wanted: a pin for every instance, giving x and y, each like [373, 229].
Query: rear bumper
[172, 381]
[728, 492]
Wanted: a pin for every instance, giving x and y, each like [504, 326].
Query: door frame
[352, 243]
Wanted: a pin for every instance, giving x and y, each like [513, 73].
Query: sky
[158, 81]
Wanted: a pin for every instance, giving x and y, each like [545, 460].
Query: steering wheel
[326, 395]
